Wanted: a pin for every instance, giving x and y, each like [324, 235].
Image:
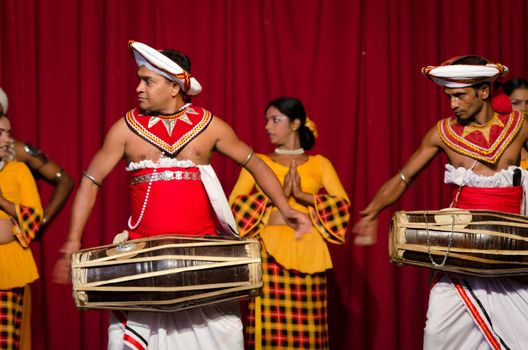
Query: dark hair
[513, 84]
[183, 61]
[471, 60]
[180, 58]
[294, 109]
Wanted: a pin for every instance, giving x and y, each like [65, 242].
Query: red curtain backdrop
[356, 65]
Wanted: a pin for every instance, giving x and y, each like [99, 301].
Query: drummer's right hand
[62, 269]
[365, 231]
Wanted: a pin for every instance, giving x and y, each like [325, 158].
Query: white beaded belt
[166, 175]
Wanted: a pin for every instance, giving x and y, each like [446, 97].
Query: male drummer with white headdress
[483, 142]
[167, 143]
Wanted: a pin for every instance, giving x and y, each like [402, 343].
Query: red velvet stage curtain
[355, 63]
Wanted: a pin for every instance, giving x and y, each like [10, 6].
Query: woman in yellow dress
[20, 219]
[291, 314]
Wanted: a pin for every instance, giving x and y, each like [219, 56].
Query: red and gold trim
[186, 77]
[188, 124]
[483, 142]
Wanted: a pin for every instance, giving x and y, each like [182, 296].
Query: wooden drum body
[476, 242]
[166, 273]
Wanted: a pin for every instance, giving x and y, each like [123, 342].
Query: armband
[92, 179]
[250, 155]
[35, 152]
[404, 179]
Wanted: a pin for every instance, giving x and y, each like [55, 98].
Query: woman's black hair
[294, 109]
[513, 84]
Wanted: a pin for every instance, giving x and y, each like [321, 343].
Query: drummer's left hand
[300, 222]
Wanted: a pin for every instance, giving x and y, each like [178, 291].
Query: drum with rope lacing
[166, 273]
[474, 242]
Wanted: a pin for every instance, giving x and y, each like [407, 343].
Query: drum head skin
[453, 219]
[125, 247]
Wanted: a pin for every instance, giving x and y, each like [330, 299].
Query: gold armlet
[250, 155]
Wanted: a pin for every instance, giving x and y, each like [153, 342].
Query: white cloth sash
[218, 199]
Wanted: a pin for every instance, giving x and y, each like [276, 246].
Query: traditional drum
[476, 242]
[166, 273]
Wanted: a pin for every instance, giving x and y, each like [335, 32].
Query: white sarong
[215, 326]
[467, 312]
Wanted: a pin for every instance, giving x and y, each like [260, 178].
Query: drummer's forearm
[268, 182]
[387, 195]
[81, 209]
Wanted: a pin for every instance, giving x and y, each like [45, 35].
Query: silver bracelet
[250, 155]
[404, 179]
[91, 178]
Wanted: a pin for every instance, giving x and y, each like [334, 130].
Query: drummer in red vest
[167, 143]
[483, 142]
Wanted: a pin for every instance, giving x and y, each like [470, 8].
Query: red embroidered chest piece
[169, 133]
[483, 142]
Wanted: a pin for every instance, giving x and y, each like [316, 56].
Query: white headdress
[4, 102]
[463, 75]
[162, 65]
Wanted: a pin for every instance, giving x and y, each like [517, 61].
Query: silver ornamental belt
[166, 175]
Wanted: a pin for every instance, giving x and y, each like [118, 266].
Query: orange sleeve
[29, 210]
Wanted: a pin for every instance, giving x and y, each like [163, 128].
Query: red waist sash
[505, 199]
[177, 203]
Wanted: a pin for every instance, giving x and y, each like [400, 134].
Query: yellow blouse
[316, 173]
[309, 254]
[17, 267]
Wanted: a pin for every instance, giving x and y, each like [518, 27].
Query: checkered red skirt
[292, 309]
[11, 310]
